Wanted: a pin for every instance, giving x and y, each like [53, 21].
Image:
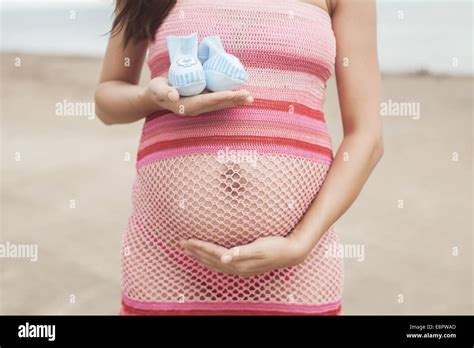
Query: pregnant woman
[237, 192]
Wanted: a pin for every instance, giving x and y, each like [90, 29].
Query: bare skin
[119, 100]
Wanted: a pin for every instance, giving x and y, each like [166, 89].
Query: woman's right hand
[167, 97]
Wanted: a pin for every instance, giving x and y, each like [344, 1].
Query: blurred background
[66, 179]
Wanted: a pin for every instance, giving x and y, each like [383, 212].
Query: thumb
[164, 91]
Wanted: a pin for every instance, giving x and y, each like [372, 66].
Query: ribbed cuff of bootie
[223, 70]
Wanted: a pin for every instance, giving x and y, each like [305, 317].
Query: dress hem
[131, 307]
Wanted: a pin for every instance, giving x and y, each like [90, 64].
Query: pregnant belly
[228, 200]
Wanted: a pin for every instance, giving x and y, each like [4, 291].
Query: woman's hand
[261, 256]
[167, 97]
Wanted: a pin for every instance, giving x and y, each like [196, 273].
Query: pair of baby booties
[195, 67]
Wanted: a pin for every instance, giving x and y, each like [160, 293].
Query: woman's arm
[358, 84]
[118, 98]
[358, 81]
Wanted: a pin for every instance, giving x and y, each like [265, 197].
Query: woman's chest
[279, 32]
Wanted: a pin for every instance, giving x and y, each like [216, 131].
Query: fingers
[209, 99]
[202, 256]
[246, 260]
[241, 253]
[231, 104]
[205, 101]
[243, 94]
[208, 102]
[244, 268]
[173, 94]
[241, 97]
[211, 267]
[212, 249]
[217, 253]
[205, 259]
[163, 90]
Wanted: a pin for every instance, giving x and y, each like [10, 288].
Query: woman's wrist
[303, 241]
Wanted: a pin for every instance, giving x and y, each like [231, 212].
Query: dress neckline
[316, 8]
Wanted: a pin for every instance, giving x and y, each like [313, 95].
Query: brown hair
[140, 19]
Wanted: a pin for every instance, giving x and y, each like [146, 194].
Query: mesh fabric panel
[229, 204]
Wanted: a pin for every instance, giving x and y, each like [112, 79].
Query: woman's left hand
[262, 255]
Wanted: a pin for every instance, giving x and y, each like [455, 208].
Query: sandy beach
[66, 185]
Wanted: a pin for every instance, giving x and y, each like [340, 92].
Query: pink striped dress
[232, 176]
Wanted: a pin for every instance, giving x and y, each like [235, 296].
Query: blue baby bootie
[186, 73]
[223, 70]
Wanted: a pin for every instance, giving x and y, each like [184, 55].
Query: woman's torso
[234, 175]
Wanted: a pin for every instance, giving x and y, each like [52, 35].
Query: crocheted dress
[232, 176]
